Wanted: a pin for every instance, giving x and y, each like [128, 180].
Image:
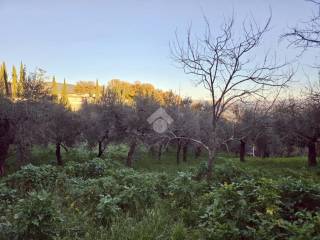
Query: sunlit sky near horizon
[129, 40]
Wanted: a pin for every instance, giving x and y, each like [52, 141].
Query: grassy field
[99, 198]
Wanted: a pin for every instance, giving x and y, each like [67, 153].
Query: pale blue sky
[129, 40]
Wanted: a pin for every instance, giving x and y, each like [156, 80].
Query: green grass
[282, 166]
[168, 164]
[145, 162]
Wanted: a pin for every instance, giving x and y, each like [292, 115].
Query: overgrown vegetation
[102, 199]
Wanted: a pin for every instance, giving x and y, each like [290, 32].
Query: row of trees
[275, 129]
[15, 88]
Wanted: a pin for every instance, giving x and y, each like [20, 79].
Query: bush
[88, 192]
[107, 209]
[31, 178]
[36, 217]
[138, 190]
[298, 195]
[117, 152]
[228, 173]
[94, 168]
[238, 209]
[183, 190]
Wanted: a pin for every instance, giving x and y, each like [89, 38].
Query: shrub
[239, 208]
[31, 178]
[88, 192]
[179, 232]
[36, 217]
[117, 152]
[107, 209]
[138, 191]
[94, 168]
[298, 195]
[227, 173]
[184, 190]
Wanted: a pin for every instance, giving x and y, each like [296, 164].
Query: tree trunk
[24, 151]
[100, 149]
[4, 147]
[130, 154]
[152, 151]
[5, 141]
[178, 152]
[197, 152]
[58, 154]
[253, 151]
[210, 164]
[242, 150]
[159, 152]
[185, 152]
[312, 154]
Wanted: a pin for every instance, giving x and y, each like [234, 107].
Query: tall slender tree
[97, 91]
[1, 82]
[64, 95]
[54, 88]
[4, 85]
[22, 79]
[14, 86]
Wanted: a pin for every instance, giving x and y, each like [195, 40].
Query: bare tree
[307, 34]
[224, 65]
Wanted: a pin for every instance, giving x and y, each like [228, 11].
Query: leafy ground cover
[99, 198]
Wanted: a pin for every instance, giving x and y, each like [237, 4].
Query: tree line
[244, 107]
[274, 129]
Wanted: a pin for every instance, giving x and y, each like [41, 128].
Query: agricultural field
[100, 198]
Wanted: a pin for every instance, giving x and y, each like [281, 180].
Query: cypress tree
[97, 91]
[14, 87]
[64, 95]
[54, 88]
[22, 79]
[4, 85]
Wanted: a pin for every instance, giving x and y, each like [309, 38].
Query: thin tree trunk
[130, 154]
[178, 152]
[242, 150]
[5, 141]
[197, 152]
[58, 154]
[4, 147]
[253, 151]
[160, 152]
[312, 154]
[210, 164]
[100, 149]
[185, 152]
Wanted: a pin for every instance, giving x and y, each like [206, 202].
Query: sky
[129, 39]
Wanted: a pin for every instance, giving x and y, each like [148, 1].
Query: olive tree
[60, 127]
[300, 119]
[138, 129]
[102, 122]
